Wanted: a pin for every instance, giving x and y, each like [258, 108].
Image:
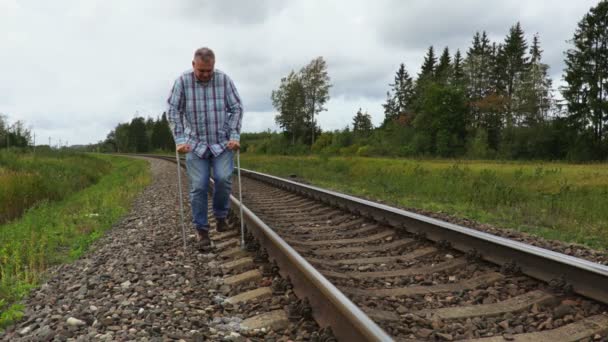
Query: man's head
[203, 62]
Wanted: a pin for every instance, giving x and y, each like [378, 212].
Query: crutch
[238, 166]
[181, 203]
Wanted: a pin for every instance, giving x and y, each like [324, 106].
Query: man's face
[203, 70]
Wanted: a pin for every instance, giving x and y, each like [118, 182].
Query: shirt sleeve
[235, 108]
[176, 104]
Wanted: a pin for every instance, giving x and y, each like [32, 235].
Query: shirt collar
[201, 82]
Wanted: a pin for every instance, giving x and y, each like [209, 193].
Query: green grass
[56, 232]
[553, 200]
[27, 178]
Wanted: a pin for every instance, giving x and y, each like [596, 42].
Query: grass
[56, 232]
[27, 178]
[552, 200]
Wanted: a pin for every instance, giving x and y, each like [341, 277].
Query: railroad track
[373, 272]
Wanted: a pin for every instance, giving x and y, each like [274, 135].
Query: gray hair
[205, 54]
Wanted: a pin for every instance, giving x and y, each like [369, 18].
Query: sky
[73, 70]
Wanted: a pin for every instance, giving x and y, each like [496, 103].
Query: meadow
[561, 201]
[62, 223]
[30, 178]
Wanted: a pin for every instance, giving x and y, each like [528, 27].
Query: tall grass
[27, 178]
[554, 200]
[55, 232]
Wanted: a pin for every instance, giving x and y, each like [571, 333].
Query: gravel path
[136, 283]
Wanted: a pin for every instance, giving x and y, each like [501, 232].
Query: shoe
[221, 225]
[204, 242]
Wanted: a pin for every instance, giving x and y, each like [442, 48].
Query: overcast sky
[73, 70]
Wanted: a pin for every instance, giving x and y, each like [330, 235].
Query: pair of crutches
[181, 200]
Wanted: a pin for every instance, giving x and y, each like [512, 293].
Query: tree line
[495, 100]
[140, 135]
[15, 134]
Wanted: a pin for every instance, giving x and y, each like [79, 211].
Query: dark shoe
[221, 225]
[204, 242]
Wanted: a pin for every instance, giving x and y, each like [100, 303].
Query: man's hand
[233, 145]
[183, 148]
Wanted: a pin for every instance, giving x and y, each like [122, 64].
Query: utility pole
[50, 143]
[34, 142]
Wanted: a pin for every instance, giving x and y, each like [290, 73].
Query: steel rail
[330, 307]
[586, 278]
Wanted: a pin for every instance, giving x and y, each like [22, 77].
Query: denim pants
[199, 173]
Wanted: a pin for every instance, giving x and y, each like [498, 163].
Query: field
[62, 223]
[553, 200]
[27, 179]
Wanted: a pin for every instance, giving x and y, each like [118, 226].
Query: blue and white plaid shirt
[205, 114]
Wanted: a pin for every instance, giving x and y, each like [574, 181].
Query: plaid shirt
[205, 114]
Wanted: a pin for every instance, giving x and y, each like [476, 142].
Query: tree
[428, 65]
[161, 134]
[391, 112]
[478, 67]
[441, 123]
[483, 89]
[458, 72]
[289, 99]
[535, 91]
[362, 124]
[425, 78]
[444, 68]
[316, 84]
[403, 94]
[586, 75]
[513, 61]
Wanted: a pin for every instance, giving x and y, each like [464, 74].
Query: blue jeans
[198, 173]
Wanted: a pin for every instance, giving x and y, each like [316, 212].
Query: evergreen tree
[586, 76]
[401, 102]
[535, 92]
[138, 140]
[426, 77]
[486, 106]
[391, 111]
[121, 135]
[513, 61]
[427, 71]
[444, 68]
[362, 124]
[458, 72]
[161, 135]
[403, 88]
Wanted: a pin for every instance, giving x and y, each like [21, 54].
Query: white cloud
[74, 69]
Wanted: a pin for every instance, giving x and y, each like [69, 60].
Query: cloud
[74, 69]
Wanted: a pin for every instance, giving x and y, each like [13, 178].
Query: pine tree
[401, 101]
[512, 58]
[362, 124]
[486, 106]
[586, 76]
[138, 140]
[403, 88]
[444, 68]
[535, 92]
[427, 71]
[391, 112]
[458, 72]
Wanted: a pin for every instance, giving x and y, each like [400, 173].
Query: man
[205, 113]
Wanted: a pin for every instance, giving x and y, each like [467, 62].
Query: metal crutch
[238, 165]
[181, 204]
